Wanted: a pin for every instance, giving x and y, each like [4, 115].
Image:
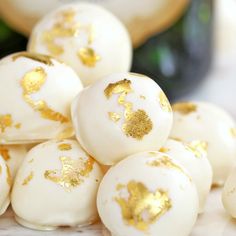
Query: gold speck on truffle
[166, 162]
[233, 132]
[143, 207]
[64, 147]
[88, 56]
[47, 60]
[5, 122]
[185, 108]
[114, 116]
[198, 148]
[4, 152]
[31, 84]
[28, 178]
[137, 123]
[72, 172]
[164, 102]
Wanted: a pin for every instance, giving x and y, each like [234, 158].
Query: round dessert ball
[148, 194]
[36, 92]
[13, 156]
[210, 124]
[5, 185]
[122, 114]
[85, 36]
[56, 186]
[229, 194]
[193, 157]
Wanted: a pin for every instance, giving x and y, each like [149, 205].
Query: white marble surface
[214, 222]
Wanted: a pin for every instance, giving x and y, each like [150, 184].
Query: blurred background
[187, 46]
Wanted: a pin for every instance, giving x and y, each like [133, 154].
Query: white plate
[214, 222]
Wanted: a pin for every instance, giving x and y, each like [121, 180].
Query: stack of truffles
[115, 148]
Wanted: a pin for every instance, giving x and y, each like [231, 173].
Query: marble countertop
[214, 221]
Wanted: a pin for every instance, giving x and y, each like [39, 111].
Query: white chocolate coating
[5, 185]
[13, 156]
[37, 92]
[85, 36]
[121, 115]
[229, 194]
[56, 186]
[193, 157]
[208, 123]
[148, 194]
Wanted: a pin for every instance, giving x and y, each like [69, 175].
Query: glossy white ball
[85, 36]
[121, 115]
[148, 194]
[36, 92]
[208, 123]
[56, 186]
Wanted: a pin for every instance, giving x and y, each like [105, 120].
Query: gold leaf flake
[72, 172]
[88, 56]
[64, 147]
[233, 132]
[164, 102]
[143, 207]
[28, 178]
[5, 122]
[47, 60]
[4, 152]
[198, 148]
[9, 178]
[185, 108]
[137, 123]
[164, 149]
[32, 83]
[114, 116]
[142, 97]
[166, 162]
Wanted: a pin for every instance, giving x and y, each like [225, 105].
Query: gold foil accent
[88, 56]
[164, 102]
[233, 132]
[166, 162]
[9, 178]
[72, 172]
[66, 133]
[64, 147]
[143, 207]
[5, 122]
[4, 152]
[176, 139]
[31, 84]
[67, 27]
[17, 126]
[47, 60]
[114, 116]
[28, 178]
[185, 108]
[142, 97]
[164, 149]
[198, 148]
[137, 123]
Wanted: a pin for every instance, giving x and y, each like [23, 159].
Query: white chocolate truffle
[36, 92]
[5, 185]
[121, 115]
[193, 157]
[85, 36]
[56, 186]
[148, 194]
[208, 123]
[13, 156]
[229, 194]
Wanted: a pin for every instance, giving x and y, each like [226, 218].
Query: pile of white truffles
[115, 149]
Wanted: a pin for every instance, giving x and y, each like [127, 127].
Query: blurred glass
[180, 57]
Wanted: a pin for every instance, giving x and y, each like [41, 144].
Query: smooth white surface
[214, 222]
